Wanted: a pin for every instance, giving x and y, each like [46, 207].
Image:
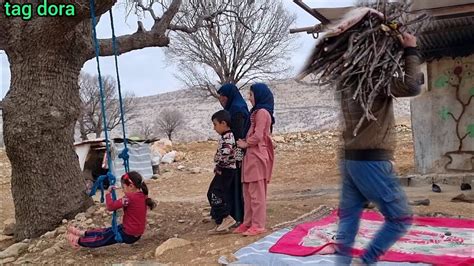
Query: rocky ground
[305, 177]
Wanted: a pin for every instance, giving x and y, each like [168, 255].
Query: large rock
[169, 157]
[14, 250]
[9, 227]
[170, 244]
[161, 147]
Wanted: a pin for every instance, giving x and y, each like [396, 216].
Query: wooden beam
[312, 12]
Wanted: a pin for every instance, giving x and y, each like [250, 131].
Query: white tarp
[82, 151]
[140, 159]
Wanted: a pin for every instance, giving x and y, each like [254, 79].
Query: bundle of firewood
[363, 53]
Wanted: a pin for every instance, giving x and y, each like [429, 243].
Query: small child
[258, 160]
[134, 204]
[225, 170]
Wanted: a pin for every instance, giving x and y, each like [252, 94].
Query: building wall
[434, 129]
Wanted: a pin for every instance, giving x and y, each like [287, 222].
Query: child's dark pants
[104, 237]
[219, 194]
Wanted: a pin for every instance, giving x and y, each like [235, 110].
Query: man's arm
[410, 84]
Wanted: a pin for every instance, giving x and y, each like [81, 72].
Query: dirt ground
[305, 177]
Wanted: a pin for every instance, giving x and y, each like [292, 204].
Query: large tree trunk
[40, 112]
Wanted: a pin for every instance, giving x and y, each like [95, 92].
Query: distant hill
[298, 107]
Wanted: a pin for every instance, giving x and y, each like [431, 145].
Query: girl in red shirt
[134, 204]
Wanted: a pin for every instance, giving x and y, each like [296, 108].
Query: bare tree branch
[126, 43]
[90, 120]
[241, 44]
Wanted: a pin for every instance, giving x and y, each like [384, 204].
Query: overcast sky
[146, 72]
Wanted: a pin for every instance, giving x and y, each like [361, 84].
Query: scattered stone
[212, 252]
[90, 212]
[148, 255]
[89, 221]
[9, 227]
[5, 238]
[180, 156]
[49, 252]
[181, 221]
[195, 170]
[227, 259]
[51, 234]
[170, 244]
[64, 221]
[70, 261]
[463, 198]
[81, 217]
[14, 250]
[206, 220]
[181, 167]
[7, 260]
[217, 251]
[279, 139]
[61, 230]
[40, 243]
[424, 202]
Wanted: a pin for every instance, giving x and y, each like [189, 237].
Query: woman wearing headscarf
[258, 160]
[233, 102]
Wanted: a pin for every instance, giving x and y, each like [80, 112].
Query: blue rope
[124, 155]
[118, 236]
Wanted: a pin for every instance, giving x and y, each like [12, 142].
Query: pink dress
[257, 170]
[258, 160]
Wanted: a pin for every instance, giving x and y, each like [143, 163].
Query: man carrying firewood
[367, 168]
[369, 59]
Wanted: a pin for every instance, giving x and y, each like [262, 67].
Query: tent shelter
[91, 157]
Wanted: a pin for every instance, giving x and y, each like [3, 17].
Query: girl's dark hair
[136, 179]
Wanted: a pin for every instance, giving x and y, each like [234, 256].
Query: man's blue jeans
[370, 181]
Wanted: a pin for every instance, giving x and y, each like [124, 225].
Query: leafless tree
[145, 130]
[168, 121]
[43, 103]
[252, 44]
[90, 120]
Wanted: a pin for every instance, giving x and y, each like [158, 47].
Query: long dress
[236, 200]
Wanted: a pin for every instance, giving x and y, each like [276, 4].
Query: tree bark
[40, 112]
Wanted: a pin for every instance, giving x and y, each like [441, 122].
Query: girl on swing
[134, 204]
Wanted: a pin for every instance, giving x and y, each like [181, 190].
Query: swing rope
[124, 154]
[99, 184]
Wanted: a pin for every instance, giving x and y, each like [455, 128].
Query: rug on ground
[439, 241]
[258, 253]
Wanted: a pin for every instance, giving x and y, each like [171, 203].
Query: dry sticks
[363, 59]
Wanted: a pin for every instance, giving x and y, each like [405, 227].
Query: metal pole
[312, 12]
